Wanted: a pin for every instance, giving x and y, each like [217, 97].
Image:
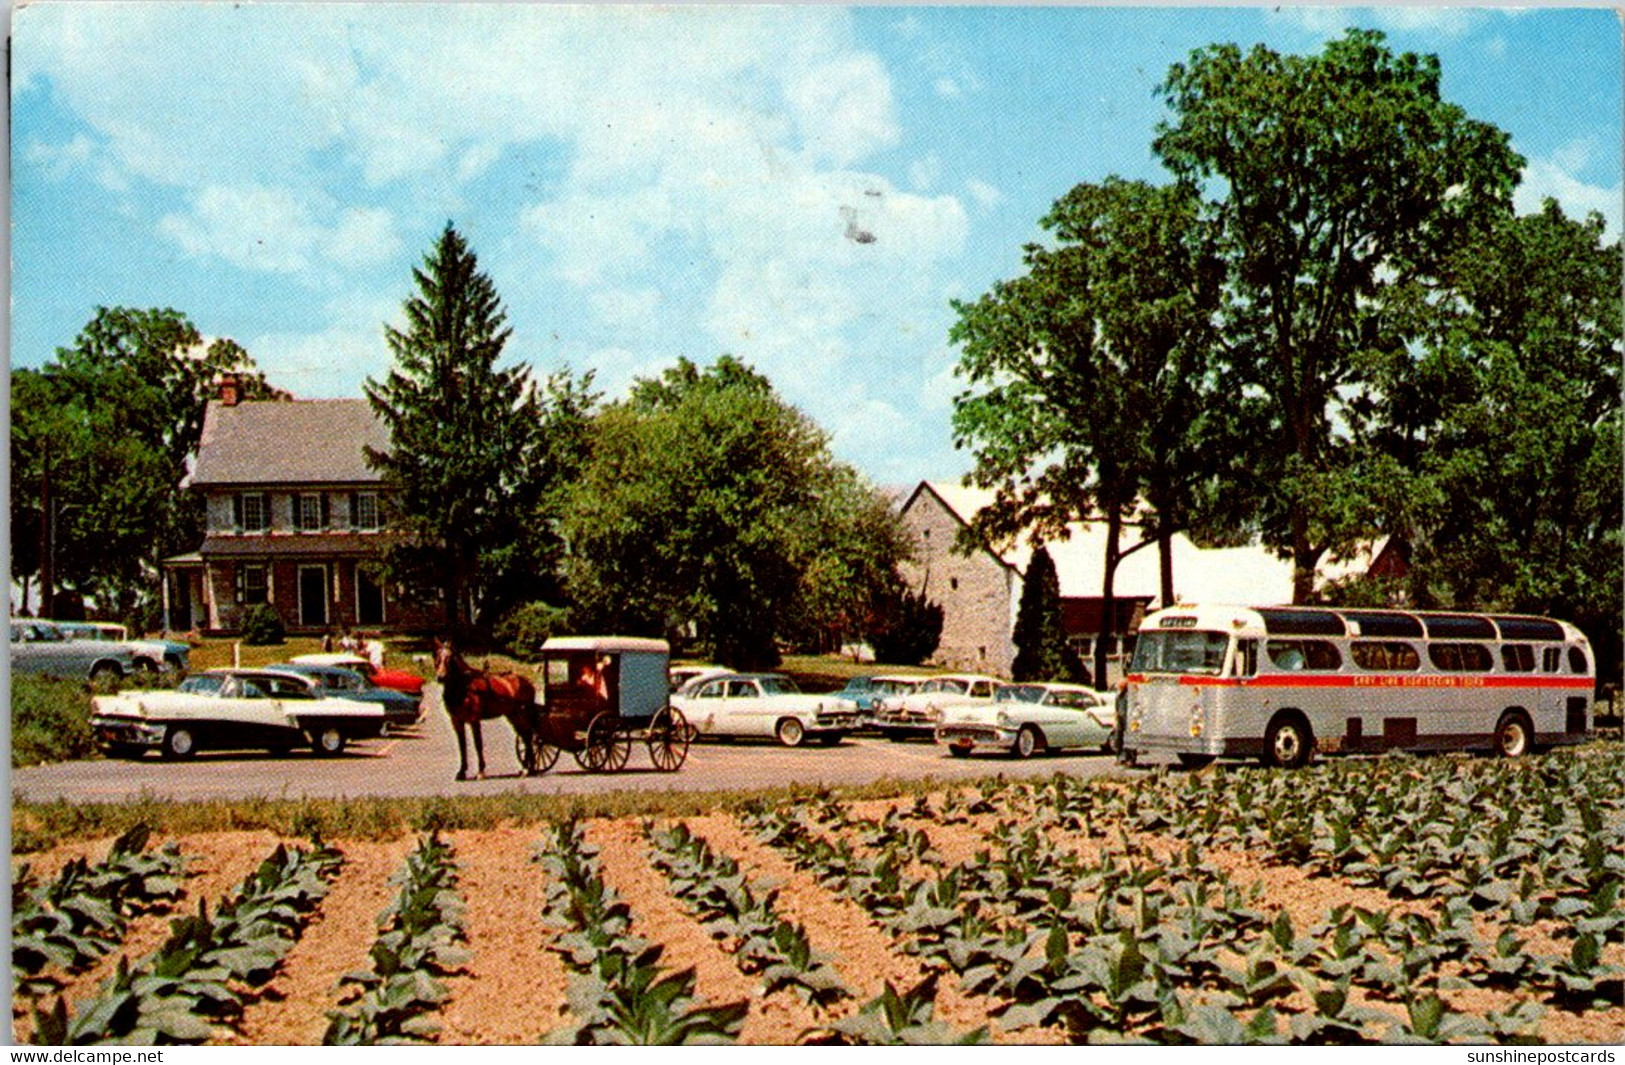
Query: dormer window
[364, 513]
[251, 513]
[309, 512]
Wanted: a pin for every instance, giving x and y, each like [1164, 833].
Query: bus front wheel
[1288, 742]
[1513, 736]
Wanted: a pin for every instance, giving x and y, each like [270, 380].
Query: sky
[804, 187]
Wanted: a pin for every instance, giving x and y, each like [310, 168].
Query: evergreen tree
[471, 455]
[1040, 637]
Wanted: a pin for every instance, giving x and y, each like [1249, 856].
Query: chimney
[231, 389]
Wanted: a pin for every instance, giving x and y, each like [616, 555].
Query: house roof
[1244, 576]
[302, 441]
[297, 545]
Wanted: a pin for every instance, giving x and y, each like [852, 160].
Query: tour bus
[1282, 683]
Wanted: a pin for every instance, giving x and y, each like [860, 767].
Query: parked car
[400, 709]
[152, 656]
[877, 689]
[766, 705]
[1025, 718]
[398, 679]
[231, 709]
[41, 647]
[915, 714]
[684, 675]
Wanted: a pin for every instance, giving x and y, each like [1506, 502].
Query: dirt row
[512, 990]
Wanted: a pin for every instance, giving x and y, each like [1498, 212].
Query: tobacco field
[1387, 900]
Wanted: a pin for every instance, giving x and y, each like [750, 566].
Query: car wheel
[1288, 742]
[1513, 736]
[147, 669]
[328, 741]
[105, 675]
[1027, 742]
[179, 742]
[790, 732]
[959, 750]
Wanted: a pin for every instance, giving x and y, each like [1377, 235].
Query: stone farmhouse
[294, 515]
[981, 591]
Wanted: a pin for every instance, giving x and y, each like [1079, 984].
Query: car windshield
[1182, 651]
[943, 684]
[202, 684]
[779, 686]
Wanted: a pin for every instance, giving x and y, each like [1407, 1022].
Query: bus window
[1385, 656]
[1246, 658]
[1518, 658]
[1180, 651]
[1460, 657]
[1577, 660]
[1295, 655]
[1549, 659]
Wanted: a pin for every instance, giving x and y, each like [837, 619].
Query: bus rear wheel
[1514, 736]
[1288, 742]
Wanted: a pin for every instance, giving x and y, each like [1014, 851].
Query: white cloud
[626, 307]
[335, 360]
[1433, 19]
[275, 230]
[1554, 177]
[985, 194]
[923, 173]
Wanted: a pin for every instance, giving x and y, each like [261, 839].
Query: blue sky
[643, 184]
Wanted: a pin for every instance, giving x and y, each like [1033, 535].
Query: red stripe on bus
[1376, 680]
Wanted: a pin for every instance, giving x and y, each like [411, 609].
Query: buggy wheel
[546, 755]
[607, 746]
[668, 740]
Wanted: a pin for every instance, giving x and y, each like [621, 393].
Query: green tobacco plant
[209, 968]
[418, 941]
[619, 993]
[896, 1019]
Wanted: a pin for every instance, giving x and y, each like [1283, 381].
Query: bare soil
[512, 990]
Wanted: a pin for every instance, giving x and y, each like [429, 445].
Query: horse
[473, 695]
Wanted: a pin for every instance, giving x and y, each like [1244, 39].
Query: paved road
[424, 762]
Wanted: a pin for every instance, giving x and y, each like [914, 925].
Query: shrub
[262, 625]
[50, 720]
[524, 629]
[907, 628]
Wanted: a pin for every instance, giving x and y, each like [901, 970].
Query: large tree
[475, 448]
[706, 507]
[1506, 429]
[1342, 185]
[100, 439]
[1090, 391]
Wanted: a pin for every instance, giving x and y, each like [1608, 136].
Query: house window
[307, 512]
[253, 585]
[250, 513]
[364, 511]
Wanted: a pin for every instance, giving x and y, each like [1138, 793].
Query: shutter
[326, 522]
[353, 505]
[237, 512]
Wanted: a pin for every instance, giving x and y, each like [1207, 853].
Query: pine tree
[1040, 636]
[466, 468]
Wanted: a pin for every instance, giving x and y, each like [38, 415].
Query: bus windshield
[1180, 651]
